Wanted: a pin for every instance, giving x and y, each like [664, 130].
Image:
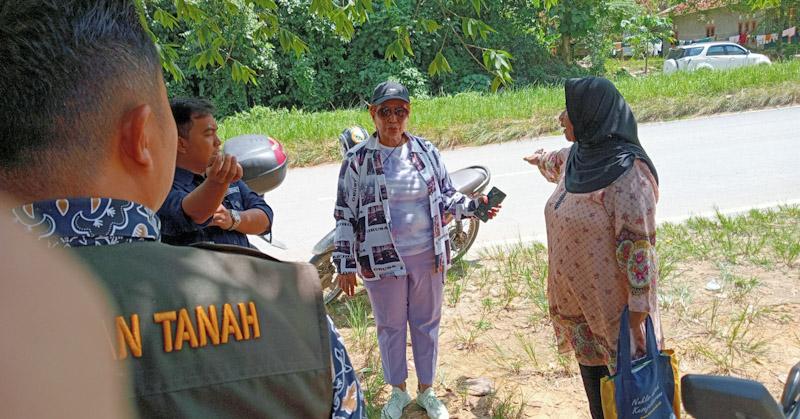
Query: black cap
[389, 90]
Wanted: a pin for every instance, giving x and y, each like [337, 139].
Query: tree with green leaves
[608, 28]
[574, 19]
[212, 26]
[644, 30]
[780, 15]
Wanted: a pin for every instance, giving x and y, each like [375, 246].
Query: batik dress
[601, 250]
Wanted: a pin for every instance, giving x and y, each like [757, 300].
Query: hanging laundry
[790, 32]
[734, 38]
[760, 40]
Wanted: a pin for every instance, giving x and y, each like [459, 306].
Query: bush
[480, 82]
[337, 74]
[402, 71]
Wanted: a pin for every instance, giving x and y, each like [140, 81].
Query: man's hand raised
[224, 169]
[205, 201]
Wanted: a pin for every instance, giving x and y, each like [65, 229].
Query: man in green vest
[88, 147]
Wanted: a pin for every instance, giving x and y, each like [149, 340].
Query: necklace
[393, 150]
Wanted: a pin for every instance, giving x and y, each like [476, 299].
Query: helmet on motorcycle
[263, 160]
[352, 136]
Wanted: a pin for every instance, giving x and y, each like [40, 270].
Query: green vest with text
[219, 332]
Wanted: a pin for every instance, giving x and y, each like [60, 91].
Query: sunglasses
[399, 112]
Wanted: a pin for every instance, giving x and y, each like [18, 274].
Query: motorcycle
[710, 396]
[471, 181]
[264, 164]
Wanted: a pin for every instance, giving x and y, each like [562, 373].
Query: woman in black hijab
[600, 230]
[606, 140]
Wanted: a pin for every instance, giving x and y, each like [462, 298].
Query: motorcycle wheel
[327, 276]
[462, 234]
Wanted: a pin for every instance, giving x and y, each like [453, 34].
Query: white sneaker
[393, 409]
[428, 401]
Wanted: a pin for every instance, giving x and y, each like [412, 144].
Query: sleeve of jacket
[632, 198]
[345, 213]
[455, 203]
[173, 220]
[348, 398]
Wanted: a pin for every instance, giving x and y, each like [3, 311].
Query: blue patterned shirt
[103, 221]
[89, 221]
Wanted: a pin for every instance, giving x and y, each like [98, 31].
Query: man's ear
[183, 145]
[134, 141]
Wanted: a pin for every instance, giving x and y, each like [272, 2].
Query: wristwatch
[236, 218]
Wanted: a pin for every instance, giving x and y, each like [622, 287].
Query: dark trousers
[591, 383]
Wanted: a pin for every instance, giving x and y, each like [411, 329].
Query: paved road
[731, 162]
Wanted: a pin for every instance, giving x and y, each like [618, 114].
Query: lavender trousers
[413, 300]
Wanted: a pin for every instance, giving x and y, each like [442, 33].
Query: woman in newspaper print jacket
[393, 197]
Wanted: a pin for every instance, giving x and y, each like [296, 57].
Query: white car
[711, 55]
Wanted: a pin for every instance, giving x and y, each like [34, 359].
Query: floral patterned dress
[601, 249]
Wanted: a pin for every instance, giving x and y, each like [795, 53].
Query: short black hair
[69, 70]
[184, 109]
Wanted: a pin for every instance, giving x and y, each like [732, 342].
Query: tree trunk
[194, 85]
[783, 24]
[248, 97]
[566, 53]
[645, 62]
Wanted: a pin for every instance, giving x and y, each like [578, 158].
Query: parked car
[711, 56]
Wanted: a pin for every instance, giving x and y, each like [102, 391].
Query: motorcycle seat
[470, 179]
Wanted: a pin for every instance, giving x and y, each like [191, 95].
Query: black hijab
[606, 141]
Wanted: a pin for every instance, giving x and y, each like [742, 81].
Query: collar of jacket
[185, 177]
[416, 146]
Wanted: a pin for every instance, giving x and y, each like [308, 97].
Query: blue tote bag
[645, 388]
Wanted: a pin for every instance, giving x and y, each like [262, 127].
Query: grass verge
[477, 118]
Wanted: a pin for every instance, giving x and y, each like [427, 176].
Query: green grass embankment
[481, 118]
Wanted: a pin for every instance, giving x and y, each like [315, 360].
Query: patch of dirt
[491, 332]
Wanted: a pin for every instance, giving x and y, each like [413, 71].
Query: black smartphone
[496, 196]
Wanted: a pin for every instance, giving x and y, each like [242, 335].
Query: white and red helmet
[263, 160]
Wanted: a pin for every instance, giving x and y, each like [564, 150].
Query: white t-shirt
[409, 204]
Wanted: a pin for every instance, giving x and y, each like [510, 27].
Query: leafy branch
[206, 23]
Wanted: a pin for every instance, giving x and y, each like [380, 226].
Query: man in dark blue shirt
[208, 201]
[88, 151]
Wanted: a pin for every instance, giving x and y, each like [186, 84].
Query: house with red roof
[713, 20]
